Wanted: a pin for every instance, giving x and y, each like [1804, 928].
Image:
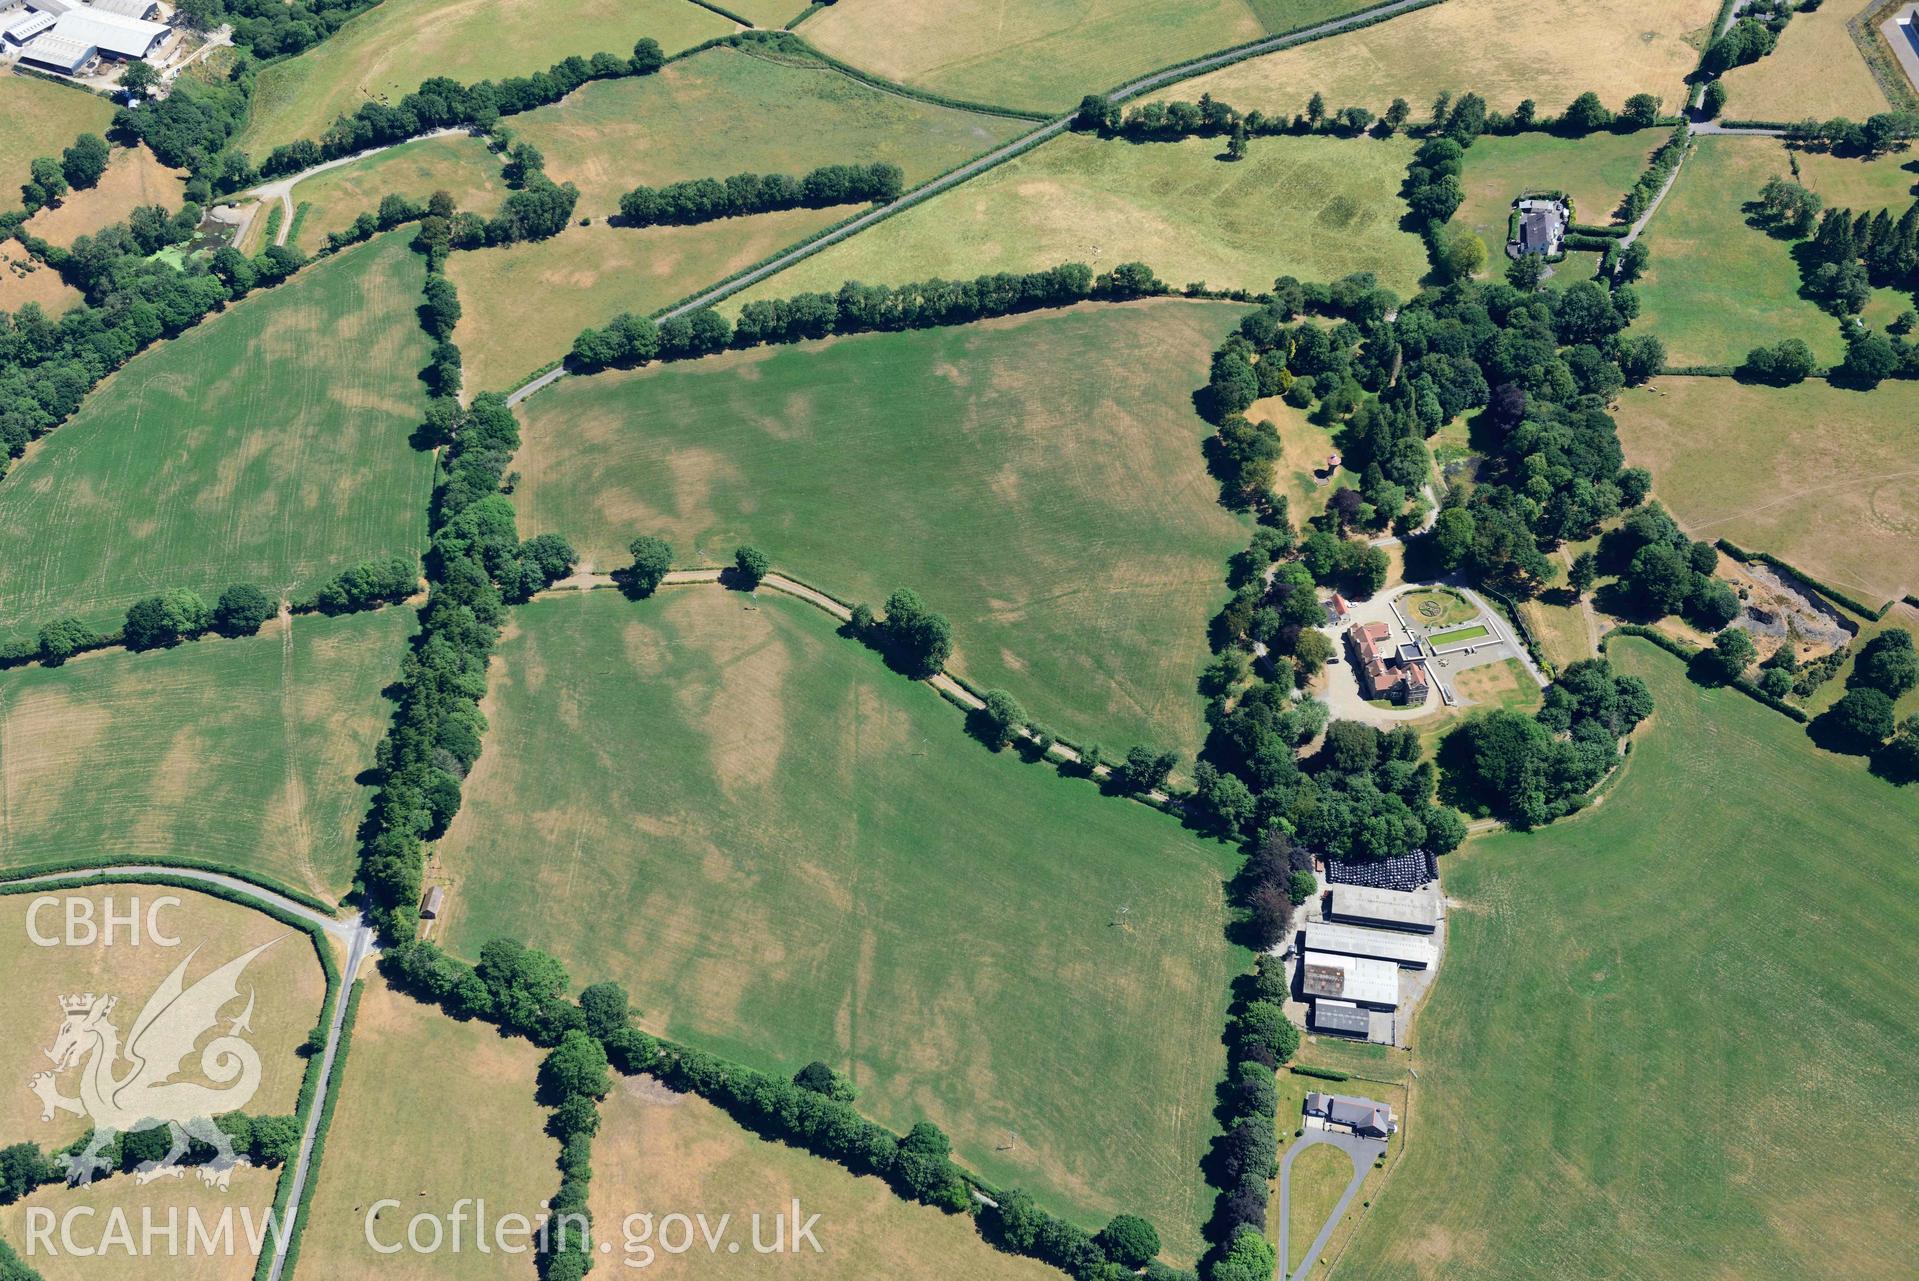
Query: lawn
[288, 983]
[463, 167]
[1720, 286]
[686, 122]
[1674, 1035]
[1847, 182]
[1614, 48]
[243, 752]
[431, 1112]
[522, 306]
[134, 176]
[120, 1199]
[1038, 480]
[266, 445]
[1312, 207]
[1597, 171]
[1437, 607]
[385, 53]
[40, 118]
[1319, 1175]
[1458, 637]
[1816, 71]
[658, 1152]
[803, 855]
[1818, 476]
[1045, 54]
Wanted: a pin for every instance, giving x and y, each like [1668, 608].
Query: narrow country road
[998, 156]
[281, 189]
[358, 937]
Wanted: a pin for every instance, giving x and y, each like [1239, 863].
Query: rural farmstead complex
[1221, 640]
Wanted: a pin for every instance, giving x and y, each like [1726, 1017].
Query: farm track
[999, 156]
[944, 683]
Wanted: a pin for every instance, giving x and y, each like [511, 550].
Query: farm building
[1343, 1017]
[20, 26]
[140, 10]
[56, 52]
[1362, 1116]
[1359, 979]
[1401, 949]
[433, 904]
[53, 8]
[113, 35]
[1384, 909]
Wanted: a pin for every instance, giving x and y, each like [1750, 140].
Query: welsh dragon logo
[126, 1087]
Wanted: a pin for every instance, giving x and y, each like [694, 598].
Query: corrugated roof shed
[54, 7]
[1394, 909]
[1413, 951]
[111, 33]
[125, 8]
[58, 52]
[1362, 979]
[1341, 1016]
[22, 26]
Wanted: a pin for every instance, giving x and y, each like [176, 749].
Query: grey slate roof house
[1542, 227]
[1365, 1117]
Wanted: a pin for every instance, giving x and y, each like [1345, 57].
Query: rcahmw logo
[85, 1232]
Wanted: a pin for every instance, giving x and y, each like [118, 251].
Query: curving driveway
[358, 937]
[1363, 1153]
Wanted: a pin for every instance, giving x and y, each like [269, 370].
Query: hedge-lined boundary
[1681, 650]
[310, 1080]
[1272, 42]
[803, 15]
[81, 867]
[296, 1228]
[786, 41]
[1831, 593]
[728, 14]
[1322, 1073]
[1891, 77]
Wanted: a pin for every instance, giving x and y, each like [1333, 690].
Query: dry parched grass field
[521, 306]
[431, 1111]
[1316, 208]
[660, 1153]
[40, 118]
[384, 53]
[286, 982]
[1733, 927]
[1070, 533]
[1821, 477]
[250, 1197]
[1549, 53]
[134, 176]
[688, 122]
[463, 167]
[1816, 71]
[1044, 54]
[788, 852]
[243, 752]
[269, 444]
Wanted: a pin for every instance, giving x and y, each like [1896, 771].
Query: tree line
[706, 199]
[629, 340]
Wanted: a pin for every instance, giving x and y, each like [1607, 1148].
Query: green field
[1459, 637]
[1312, 207]
[241, 752]
[384, 53]
[787, 852]
[1044, 54]
[1847, 182]
[1675, 1035]
[1819, 476]
[1038, 480]
[39, 118]
[521, 306]
[1719, 286]
[266, 445]
[463, 167]
[687, 122]
[1597, 171]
